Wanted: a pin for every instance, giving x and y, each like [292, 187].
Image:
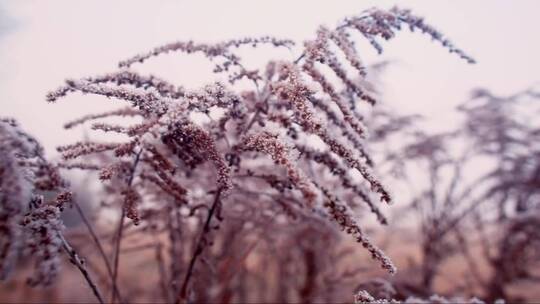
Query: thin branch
[162, 273]
[200, 246]
[79, 263]
[98, 244]
[120, 230]
[118, 238]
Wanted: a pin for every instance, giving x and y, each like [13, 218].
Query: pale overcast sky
[44, 42]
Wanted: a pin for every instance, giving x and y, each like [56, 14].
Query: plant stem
[120, 231]
[79, 263]
[162, 273]
[118, 238]
[199, 248]
[98, 244]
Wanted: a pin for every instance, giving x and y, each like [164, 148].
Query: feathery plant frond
[225, 150]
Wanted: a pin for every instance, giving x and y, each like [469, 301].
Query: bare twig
[200, 246]
[79, 263]
[120, 231]
[162, 273]
[98, 243]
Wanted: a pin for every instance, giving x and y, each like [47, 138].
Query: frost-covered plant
[379, 291]
[26, 223]
[280, 135]
[363, 297]
[30, 225]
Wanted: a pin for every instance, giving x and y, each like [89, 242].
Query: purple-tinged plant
[199, 158]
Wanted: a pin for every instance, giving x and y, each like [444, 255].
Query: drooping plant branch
[274, 146]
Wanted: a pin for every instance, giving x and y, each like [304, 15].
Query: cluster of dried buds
[29, 225]
[292, 104]
[293, 134]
